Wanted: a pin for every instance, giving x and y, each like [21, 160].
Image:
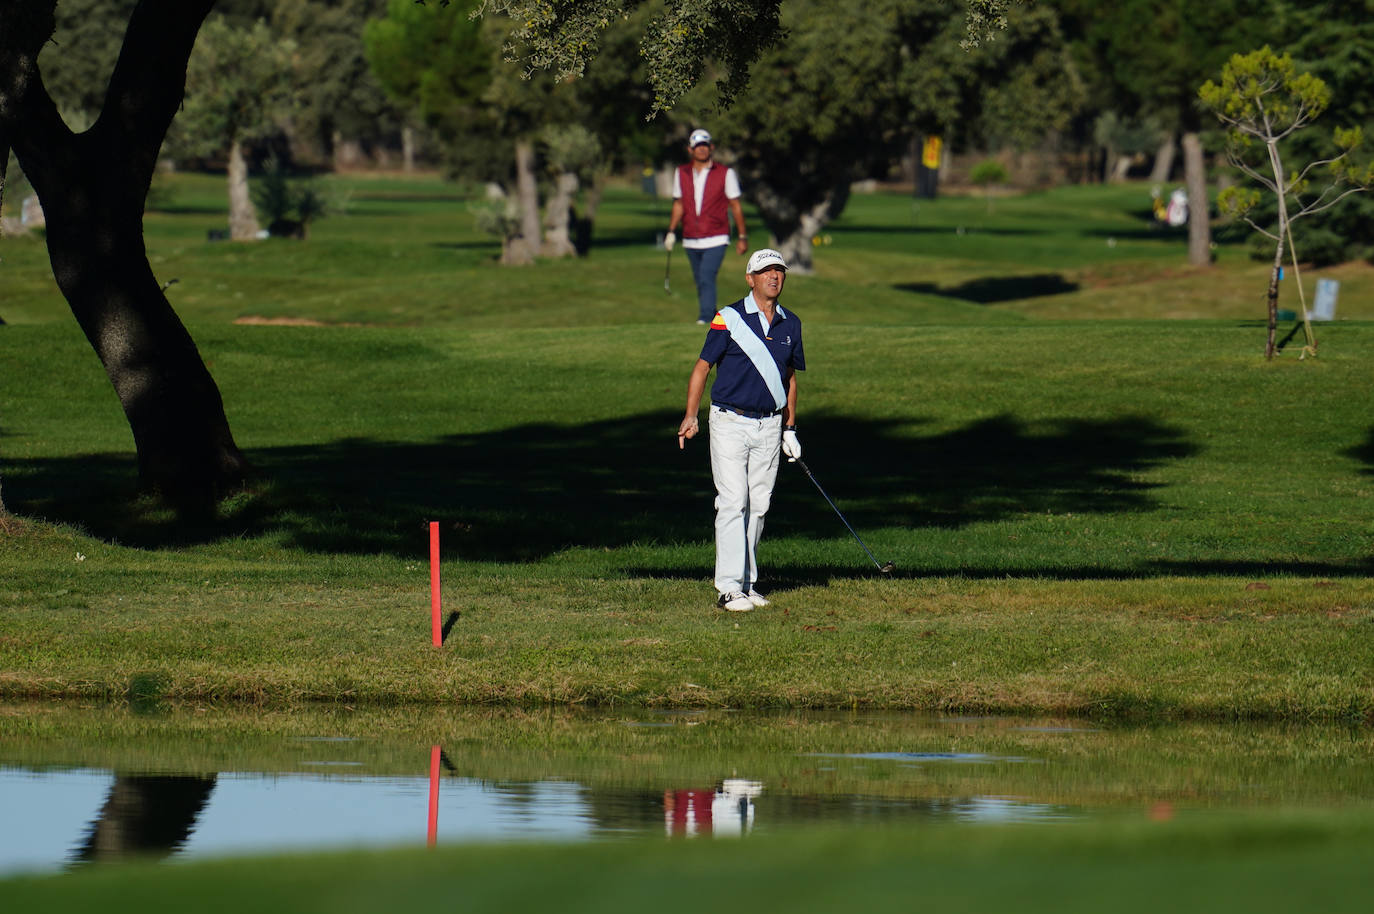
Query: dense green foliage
[238, 84]
[76, 65]
[431, 60]
[337, 98]
[681, 39]
[1334, 41]
[843, 89]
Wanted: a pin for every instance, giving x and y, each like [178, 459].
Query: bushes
[287, 207]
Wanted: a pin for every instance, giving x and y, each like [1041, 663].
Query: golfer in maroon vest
[702, 194]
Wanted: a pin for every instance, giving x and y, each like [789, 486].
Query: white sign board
[1324, 308]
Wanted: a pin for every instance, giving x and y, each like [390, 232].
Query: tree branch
[1265, 232]
[149, 79]
[4, 167]
[29, 120]
[1309, 211]
[1250, 171]
[1302, 175]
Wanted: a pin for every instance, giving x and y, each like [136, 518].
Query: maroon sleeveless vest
[712, 219]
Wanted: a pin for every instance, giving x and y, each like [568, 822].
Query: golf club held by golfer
[884, 567]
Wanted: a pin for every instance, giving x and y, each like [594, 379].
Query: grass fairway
[1232, 864]
[1109, 517]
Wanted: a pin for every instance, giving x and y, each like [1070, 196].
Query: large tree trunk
[407, 149]
[1120, 169]
[557, 217]
[583, 222]
[522, 250]
[4, 167]
[794, 227]
[243, 217]
[174, 409]
[93, 188]
[1164, 160]
[1199, 218]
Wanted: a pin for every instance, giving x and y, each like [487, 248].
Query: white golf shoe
[736, 601]
[758, 599]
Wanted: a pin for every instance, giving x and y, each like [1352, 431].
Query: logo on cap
[764, 258]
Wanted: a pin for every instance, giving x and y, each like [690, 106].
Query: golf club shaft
[667, 265]
[806, 469]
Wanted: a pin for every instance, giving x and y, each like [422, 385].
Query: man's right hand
[688, 429]
[669, 240]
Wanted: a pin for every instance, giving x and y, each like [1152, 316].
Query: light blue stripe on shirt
[758, 353]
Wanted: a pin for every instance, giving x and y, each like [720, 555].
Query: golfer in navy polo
[756, 348]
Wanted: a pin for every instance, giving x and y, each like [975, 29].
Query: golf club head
[887, 568]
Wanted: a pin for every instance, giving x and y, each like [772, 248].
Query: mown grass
[1230, 863]
[1124, 517]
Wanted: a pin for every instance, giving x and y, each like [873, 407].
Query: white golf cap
[764, 258]
[697, 138]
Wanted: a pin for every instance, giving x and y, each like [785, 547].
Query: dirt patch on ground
[259, 320]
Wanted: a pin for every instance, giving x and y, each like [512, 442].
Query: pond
[80, 785]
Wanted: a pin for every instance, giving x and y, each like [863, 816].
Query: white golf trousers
[744, 465]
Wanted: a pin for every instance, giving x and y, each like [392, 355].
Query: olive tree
[238, 84]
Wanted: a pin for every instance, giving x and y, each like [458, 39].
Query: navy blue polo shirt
[738, 383]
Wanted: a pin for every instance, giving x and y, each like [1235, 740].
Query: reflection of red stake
[433, 795]
[434, 593]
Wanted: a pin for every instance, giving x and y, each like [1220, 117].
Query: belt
[746, 413]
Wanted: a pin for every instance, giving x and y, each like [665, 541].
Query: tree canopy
[680, 41]
[840, 95]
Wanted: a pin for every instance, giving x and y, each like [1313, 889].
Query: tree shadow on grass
[526, 492]
[1364, 452]
[994, 289]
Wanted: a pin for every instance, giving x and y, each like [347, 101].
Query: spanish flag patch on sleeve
[718, 323]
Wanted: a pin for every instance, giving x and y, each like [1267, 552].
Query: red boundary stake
[433, 836]
[434, 589]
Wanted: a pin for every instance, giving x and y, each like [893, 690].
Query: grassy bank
[1094, 517]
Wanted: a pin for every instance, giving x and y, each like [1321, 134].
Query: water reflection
[237, 812]
[77, 787]
[725, 810]
[146, 815]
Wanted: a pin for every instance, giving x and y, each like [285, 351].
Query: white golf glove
[669, 240]
[791, 446]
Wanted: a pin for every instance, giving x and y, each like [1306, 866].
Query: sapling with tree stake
[1263, 100]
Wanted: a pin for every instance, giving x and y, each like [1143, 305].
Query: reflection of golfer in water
[703, 192]
[727, 811]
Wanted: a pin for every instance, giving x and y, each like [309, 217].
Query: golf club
[668, 264]
[884, 567]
